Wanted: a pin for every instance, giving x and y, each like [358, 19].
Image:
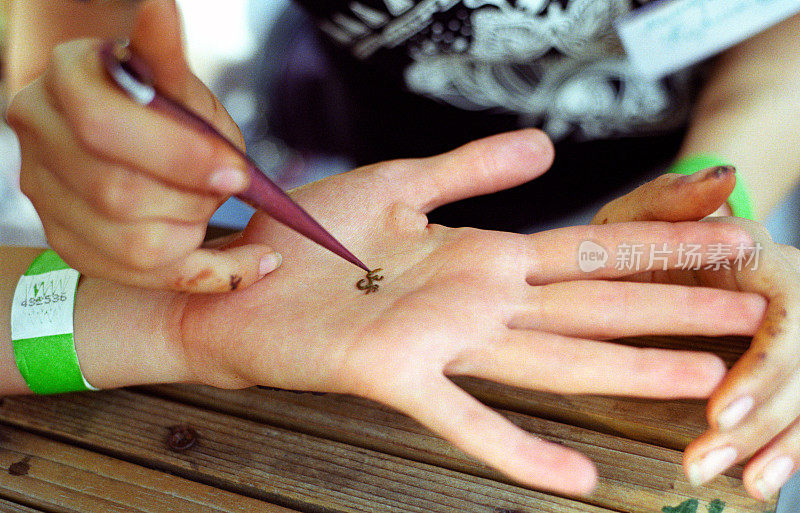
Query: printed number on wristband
[44, 304]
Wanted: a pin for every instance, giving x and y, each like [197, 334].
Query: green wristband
[739, 200]
[42, 330]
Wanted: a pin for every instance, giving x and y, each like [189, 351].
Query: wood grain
[634, 476]
[264, 462]
[267, 450]
[58, 477]
[13, 507]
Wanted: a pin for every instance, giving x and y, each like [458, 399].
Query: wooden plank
[670, 424]
[729, 349]
[13, 507]
[55, 476]
[634, 476]
[265, 462]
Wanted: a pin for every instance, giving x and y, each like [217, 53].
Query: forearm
[123, 336]
[36, 26]
[747, 113]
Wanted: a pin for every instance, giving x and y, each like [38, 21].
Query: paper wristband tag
[667, 35]
[42, 330]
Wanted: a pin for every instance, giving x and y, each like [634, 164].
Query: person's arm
[124, 192]
[516, 309]
[747, 113]
[123, 336]
[36, 26]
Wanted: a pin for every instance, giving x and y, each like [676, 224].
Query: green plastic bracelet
[41, 327]
[739, 200]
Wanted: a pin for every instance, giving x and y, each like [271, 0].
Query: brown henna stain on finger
[202, 275]
[183, 283]
[773, 331]
[235, 281]
[368, 284]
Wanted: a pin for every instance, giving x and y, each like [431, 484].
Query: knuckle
[196, 158]
[19, 115]
[119, 194]
[63, 53]
[683, 233]
[61, 77]
[198, 209]
[145, 248]
[56, 236]
[68, 87]
[793, 254]
[664, 182]
[91, 126]
[671, 374]
[27, 183]
[154, 245]
[765, 367]
[62, 242]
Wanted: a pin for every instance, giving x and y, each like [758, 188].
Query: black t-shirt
[554, 64]
[412, 78]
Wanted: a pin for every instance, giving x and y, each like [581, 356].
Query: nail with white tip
[735, 412]
[269, 263]
[228, 181]
[711, 465]
[774, 475]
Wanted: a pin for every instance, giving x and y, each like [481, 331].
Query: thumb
[157, 38]
[208, 270]
[672, 197]
[480, 167]
[221, 270]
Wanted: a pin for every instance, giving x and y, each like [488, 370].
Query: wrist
[128, 336]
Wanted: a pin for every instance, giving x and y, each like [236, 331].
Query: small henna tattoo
[368, 284]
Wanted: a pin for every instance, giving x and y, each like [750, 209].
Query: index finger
[125, 132]
[623, 249]
[480, 167]
[772, 356]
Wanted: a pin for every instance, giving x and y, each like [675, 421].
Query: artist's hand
[462, 301]
[123, 192]
[755, 413]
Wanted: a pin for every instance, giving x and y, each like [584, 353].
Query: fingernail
[712, 464]
[774, 475]
[735, 412]
[711, 172]
[228, 181]
[269, 263]
[720, 171]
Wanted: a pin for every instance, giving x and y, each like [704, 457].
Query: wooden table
[279, 451]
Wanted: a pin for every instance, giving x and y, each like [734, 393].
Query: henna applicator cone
[131, 74]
